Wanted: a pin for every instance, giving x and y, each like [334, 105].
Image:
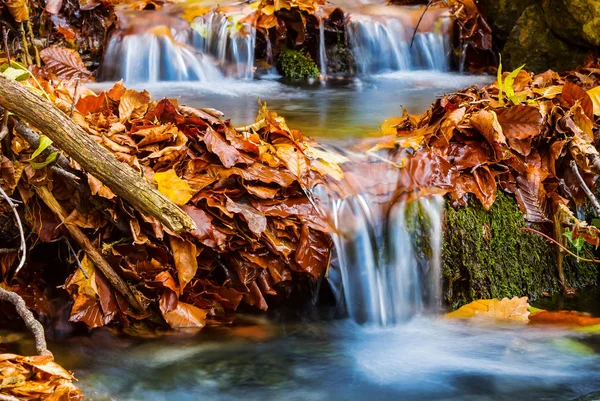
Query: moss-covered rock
[533, 43]
[575, 21]
[486, 255]
[297, 65]
[503, 14]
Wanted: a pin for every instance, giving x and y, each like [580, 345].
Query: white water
[322, 49]
[149, 57]
[380, 275]
[383, 44]
[217, 35]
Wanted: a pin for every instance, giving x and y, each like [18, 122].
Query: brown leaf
[65, 63]
[313, 251]
[531, 195]
[184, 315]
[205, 232]
[486, 122]
[133, 104]
[520, 124]
[572, 93]
[184, 255]
[257, 222]
[228, 154]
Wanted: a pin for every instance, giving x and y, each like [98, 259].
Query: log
[122, 179]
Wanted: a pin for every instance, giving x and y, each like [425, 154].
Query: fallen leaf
[65, 63]
[514, 310]
[173, 187]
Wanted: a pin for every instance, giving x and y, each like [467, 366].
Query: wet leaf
[513, 310]
[173, 187]
[133, 104]
[184, 315]
[18, 9]
[184, 255]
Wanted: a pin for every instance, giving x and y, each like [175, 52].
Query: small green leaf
[596, 223]
[51, 157]
[44, 143]
[577, 244]
[16, 74]
[533, 309]
[509, 82]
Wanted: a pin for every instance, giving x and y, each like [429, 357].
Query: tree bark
[71, 138]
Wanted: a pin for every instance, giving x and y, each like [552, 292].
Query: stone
[502, 15]
[575, 21]
[532, 42]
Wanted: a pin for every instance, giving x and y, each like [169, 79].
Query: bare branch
[21, 232]
[32, 324]
[586, 189]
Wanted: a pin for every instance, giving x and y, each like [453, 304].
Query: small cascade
[382, 43]
[389, 261]
[154, 56]
[218, 35]
[322, 49]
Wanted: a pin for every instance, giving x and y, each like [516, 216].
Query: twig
[585, 188]
[6, 49]
[558, 244]
[252, 127]
[25, 46]
[32, 324]
[4, 125]
[74, 98]
[84, 243]
[22, 234]
[429, 3]
[4, 251]
[36, 52]
[76, 258]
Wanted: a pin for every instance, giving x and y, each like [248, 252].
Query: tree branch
[586, 189]
[71, 138]
[21, 232]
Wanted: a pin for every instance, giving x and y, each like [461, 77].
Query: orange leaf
[133, 104]
[184, 315]
[18, 9]
[514, 310]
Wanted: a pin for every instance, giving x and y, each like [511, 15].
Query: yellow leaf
[173, 187]
[514, 310]
[595, 95]
[389, 126]
[133, 104]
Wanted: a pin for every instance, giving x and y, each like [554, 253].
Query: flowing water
[391, 344]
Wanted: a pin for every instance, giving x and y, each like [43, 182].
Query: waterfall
[218, 35]
[383, 44]
[322, 49]
[155, 56]
[389, 263]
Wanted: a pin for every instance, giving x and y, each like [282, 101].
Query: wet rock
[595, 396]
[575, 21]
[533, 43]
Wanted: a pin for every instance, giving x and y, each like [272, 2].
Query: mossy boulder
[487, 255]
[297, 65]
[532, 42]
[502, 15]
[575, 21]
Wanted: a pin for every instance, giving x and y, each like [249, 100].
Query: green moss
[297, 65]
[486, 255]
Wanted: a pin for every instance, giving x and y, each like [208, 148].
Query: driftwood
[71, 138]
[95, 256]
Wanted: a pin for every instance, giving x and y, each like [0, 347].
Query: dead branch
[32, 324]
[21, 232]
[82, 240]
[586, 189]
[71, 138]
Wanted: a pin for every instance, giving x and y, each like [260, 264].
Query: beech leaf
[65, 63]
[173, 187]
[514, 310]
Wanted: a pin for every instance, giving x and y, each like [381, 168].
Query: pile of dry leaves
[258, 233]
[36, 378]
[521, 135]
